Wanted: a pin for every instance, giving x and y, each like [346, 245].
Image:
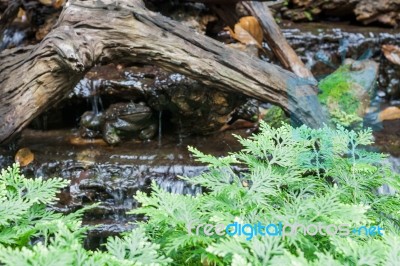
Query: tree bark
[98, 32]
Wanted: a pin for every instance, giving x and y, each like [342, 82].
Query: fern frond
[136, 248]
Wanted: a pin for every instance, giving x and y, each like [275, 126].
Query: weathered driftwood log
[95, 32]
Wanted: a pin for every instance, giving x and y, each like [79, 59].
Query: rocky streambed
[111, 175]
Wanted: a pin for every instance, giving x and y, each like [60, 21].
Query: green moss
[336, 89]
[334, 85]
[337, 94]
[275, 116]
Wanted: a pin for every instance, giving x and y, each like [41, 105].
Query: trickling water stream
[160, 128]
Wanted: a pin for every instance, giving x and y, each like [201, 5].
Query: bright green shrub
[290, 175]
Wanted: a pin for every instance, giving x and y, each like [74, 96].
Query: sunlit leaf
[247, 31]
[24, 156]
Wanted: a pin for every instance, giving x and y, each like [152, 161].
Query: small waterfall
[44, 121]
[159, 127]
[180, 132]
[179, 187]
[96, 103]
[94, 98]
[119, 197]
[90, 89]
[343, 48]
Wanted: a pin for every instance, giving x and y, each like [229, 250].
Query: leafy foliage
[289, 175]
[292, 175]
[65, 248]
[337, 94]
[23, 213]
[30, 234]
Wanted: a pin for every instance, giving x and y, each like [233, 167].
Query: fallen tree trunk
[95, 32]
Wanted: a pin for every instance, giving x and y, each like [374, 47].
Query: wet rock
[388, 137]
[184, 104]
[97, 236]
[13, 36]
[383, 11]
[6, 158]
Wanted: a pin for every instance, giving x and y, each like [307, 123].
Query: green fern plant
[31, 234]
[23, 211]
[321, 176]
[65, 248]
